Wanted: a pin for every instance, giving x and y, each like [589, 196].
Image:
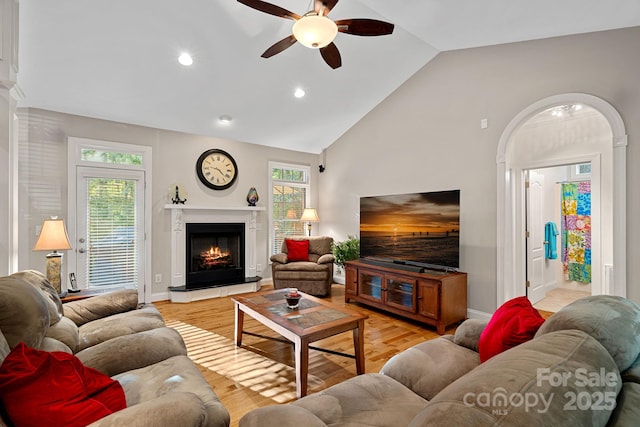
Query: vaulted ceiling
[117, 59]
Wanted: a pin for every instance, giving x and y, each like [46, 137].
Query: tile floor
[558, 298]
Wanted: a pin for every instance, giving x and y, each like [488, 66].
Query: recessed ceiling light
[225, 119]
[299, 93]
[185, 59]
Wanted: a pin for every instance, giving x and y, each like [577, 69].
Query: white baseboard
[475, 314]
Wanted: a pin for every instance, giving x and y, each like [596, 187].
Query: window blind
[112, 233]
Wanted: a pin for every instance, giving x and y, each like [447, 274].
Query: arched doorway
[511, 264]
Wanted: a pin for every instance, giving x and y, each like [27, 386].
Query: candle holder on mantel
[252, 196]
[175, 190]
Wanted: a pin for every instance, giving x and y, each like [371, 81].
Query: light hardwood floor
[261, 372]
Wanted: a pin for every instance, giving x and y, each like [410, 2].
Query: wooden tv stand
[437, 298]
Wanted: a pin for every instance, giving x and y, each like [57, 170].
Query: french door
[109, 233]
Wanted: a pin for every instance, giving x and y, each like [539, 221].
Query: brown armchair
[312, 277]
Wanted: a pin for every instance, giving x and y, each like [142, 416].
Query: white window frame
[280, 165]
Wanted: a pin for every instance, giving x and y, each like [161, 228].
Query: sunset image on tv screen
[417, 227]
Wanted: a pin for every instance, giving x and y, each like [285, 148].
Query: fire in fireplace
[215, 254]
[213, 258]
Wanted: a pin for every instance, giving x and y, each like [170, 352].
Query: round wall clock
[217, 169]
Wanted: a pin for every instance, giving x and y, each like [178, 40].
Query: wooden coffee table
[313, 320]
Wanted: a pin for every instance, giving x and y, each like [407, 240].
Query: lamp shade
[310, 215]
[53, 236]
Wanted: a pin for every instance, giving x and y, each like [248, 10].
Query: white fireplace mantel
[184, 214]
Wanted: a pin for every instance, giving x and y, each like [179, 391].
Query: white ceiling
[117, 59]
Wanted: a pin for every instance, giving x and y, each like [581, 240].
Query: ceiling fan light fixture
[315, 31]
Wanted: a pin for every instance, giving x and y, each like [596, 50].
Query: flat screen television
[421, 229]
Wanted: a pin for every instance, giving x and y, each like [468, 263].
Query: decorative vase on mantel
[252, 196]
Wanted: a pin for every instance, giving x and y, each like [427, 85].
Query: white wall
[426, 136]
[43, 178]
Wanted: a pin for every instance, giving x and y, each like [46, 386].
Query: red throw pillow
[297, 250]
[515, 322]
[55, 389]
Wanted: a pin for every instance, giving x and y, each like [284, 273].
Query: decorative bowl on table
[292, 296]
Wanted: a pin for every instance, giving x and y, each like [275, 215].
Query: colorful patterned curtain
[576, 231]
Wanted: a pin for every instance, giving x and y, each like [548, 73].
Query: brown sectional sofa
[581, 368]
[115, 335]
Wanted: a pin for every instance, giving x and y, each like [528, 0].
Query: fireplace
[215, 254]
[216, 281]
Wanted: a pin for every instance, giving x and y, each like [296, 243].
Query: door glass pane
[111, 233]
[101, 156]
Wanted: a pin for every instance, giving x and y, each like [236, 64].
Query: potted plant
[346, 250]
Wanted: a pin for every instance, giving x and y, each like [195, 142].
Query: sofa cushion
[468, 333]
[365, 400]
[297, 250]
[100, 306]
[39, 280]
[430, 366]
[67, 332]
[133, 351]
[514, 322]
[120, 324]
[175, 375]
[326, 259]
[280, 258]
[536, 383]
[632, 374]
[281, 416]
[4, 347]
[37, 385]
[52, 344]
[319, 245]
[627, 412]
[613, 321]
[24, 313]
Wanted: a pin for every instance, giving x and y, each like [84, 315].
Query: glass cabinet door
[371, 286]
[400, 293]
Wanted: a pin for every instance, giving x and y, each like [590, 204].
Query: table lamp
[310, 215]
[53, 237]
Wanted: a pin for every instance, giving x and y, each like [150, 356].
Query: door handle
[81, 250]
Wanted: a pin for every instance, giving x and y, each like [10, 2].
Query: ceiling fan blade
[364, 27]
[328, 5]
[331, 55]
[269, 8]
[278, 47]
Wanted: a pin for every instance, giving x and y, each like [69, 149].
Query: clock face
[216, 169]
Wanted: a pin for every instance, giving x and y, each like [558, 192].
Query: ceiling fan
[315, 30]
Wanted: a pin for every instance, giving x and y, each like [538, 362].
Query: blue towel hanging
[550, 233]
